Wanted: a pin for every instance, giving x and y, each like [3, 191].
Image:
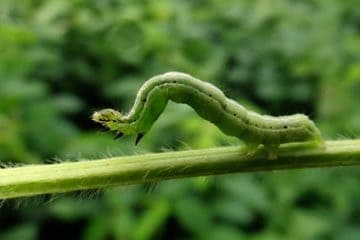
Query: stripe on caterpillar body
[211, 104]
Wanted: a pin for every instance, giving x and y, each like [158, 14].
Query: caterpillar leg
[251, 149]
[118, 135]
[273, 150]
[138, 138]
[103, 130]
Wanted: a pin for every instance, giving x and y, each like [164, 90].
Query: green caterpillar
[211, 104]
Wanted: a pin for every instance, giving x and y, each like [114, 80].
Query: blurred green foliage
[61, 60]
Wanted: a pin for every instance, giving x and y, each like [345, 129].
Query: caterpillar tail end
[321, 143]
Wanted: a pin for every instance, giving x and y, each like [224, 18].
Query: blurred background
[61, 60]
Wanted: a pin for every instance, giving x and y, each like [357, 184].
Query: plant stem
[86, 174]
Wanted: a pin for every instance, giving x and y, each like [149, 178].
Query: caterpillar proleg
[211, 104]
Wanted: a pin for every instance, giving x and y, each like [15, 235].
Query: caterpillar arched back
[211, 104]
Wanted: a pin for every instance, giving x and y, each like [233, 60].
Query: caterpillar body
[211, 104]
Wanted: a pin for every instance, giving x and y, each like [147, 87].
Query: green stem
[102, 173]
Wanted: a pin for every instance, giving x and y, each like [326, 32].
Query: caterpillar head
[112, 120]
